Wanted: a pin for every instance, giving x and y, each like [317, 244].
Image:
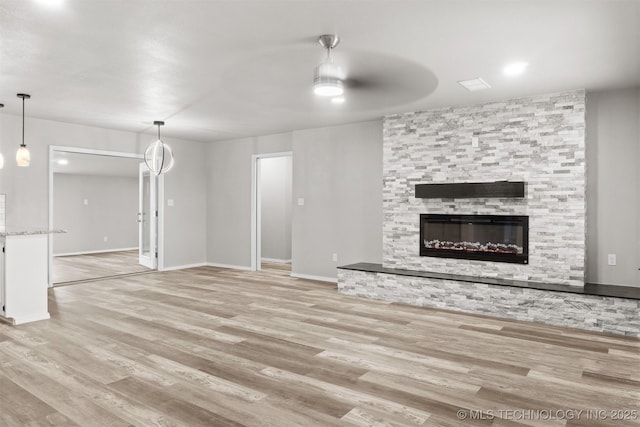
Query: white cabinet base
[26, 278]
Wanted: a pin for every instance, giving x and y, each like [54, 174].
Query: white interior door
[147, 218]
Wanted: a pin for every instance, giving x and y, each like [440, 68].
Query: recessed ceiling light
[515, 69]
[474, 84]
[338, 100]
[63, 162]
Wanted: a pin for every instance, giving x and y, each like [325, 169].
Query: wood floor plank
[74, 408]
[72, 268]
[168, 403]
[213, 346]
[19, 407]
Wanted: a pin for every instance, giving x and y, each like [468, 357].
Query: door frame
[152, 260]
[256, 227]
[159, 198]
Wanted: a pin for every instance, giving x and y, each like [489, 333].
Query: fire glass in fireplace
[498, 238]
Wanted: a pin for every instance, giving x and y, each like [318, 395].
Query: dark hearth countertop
[589, 288]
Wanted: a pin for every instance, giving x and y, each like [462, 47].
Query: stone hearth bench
[602, 308]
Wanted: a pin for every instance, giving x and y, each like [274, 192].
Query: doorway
[271, 211]
[97, 197]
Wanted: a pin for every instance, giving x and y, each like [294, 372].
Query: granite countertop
[10, 231]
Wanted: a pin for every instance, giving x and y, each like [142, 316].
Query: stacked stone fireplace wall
[539, 140]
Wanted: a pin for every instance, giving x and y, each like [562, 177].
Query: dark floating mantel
[470, 190]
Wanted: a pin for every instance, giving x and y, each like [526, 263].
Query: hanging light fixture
[1, 156]
[158, 155]
[23, 157]
[328, 76]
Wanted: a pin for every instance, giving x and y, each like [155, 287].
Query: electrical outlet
[170, 202]
[611, 259]
[300, 201]
[85, 201]
[335, 257]
[106, 239]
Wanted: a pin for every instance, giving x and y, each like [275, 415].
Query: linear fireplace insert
[501, 238]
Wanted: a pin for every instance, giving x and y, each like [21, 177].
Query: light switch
[85, 201]
[169, 202]
[474, 141]
[300, 201]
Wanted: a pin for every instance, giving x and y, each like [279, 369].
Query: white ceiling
[224, 69]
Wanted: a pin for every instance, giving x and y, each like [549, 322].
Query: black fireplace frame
[481, 256]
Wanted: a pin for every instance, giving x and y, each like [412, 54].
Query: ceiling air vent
[474, 84]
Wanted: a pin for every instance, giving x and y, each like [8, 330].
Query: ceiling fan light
[327, 80]
[328, 89]
[328, 77]
[23, 157]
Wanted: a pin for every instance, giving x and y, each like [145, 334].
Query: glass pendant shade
[159, 157]
[23, 157]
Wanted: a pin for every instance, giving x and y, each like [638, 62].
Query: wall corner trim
[230, 266]
[312, 277]
[182, 267]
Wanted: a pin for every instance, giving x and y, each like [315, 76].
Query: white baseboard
[279, 261]
[312, 277]
[30, 318]
[230, 266]
[182, 267]
[102, 251]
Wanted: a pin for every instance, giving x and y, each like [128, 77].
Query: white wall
[229, 196]
[27, 188]
[185, 223]
[337, 170]
[613, 186]
[111, 211]
[275, 198]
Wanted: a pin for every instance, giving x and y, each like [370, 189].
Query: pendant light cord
[162, 143]
[22, 145]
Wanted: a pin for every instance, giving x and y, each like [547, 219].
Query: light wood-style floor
[215, 347]
[72, 268]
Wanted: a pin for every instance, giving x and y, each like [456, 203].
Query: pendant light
[158, 155]
[1, 156]
[23, 157]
